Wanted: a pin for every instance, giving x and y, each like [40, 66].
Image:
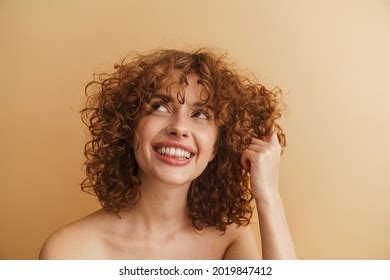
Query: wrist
[270, 200]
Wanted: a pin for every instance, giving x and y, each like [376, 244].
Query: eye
[201, 115]
[158, 106]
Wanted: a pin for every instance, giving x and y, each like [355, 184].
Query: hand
[262, 159]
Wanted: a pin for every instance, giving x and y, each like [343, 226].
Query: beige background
[331, 57]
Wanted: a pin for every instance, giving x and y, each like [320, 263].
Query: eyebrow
[164, 97]
[168, 98]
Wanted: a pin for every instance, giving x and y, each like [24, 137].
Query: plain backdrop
[330, 58]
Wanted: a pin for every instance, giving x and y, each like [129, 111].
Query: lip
[173, 161]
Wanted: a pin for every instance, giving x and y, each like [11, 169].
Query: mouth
[173, 155]
[173, 152]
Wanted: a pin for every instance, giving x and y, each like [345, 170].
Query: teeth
[174, 152]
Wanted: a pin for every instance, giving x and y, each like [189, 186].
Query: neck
[161, 208]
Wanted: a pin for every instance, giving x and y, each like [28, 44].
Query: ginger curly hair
[242, 109]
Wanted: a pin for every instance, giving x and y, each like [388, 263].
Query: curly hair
[242, 108]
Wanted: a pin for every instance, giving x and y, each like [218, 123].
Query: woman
[181, 144]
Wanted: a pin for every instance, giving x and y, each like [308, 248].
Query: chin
[173, 178]
[175, 181]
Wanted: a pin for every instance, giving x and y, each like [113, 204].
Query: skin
[158, 227]
[262, 159]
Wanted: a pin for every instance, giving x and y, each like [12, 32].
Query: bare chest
[208, 245]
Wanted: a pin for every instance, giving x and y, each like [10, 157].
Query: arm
[276, 240]
[262, 160]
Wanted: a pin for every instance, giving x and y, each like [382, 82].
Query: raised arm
[262, 160]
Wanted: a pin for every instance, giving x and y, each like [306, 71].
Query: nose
[178, 128]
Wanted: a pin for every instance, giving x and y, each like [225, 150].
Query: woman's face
[175, 142]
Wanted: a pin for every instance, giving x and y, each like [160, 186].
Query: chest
[206, 246]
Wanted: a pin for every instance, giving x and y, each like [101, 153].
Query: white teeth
[174, 152]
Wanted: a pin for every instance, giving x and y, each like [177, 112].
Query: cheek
[146, 129]
[208, 139]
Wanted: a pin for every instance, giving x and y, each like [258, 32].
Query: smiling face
[174, 142]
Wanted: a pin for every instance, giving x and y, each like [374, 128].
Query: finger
[258, 148]
[257, 141]
[246, 159]
[272, 139]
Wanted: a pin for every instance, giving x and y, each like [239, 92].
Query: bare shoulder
[243, 244]
[77, 240]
